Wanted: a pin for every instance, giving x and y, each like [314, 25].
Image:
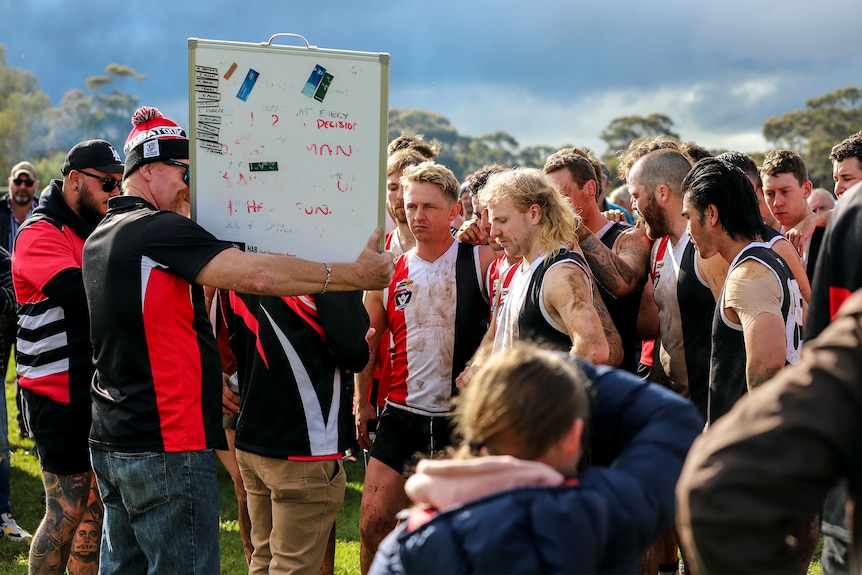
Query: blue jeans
[161, 512]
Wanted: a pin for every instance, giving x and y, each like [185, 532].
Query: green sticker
[320, 94]
[263, 166]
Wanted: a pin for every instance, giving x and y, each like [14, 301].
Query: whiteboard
[288, 146]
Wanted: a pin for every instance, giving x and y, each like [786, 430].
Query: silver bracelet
[328, 277]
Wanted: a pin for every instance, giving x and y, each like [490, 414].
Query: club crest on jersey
[405, 283]
[402, 298]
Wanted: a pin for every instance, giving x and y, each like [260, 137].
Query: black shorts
[403, 436]
[61, 432]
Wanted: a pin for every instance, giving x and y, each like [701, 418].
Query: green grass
[28, 510]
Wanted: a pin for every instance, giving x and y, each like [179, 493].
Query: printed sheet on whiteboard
[288, 146]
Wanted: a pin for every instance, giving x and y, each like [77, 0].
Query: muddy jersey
[727, 379]
[391, 243]
[383, 351]
[623, 310]
[437, 314]
[524, 317]
[686, 305]
[500, 275]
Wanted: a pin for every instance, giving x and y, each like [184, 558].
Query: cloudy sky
[545, 71]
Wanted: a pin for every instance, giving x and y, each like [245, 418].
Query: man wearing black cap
[54, 354]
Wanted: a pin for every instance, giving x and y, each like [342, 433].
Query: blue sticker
[314, 80]
[247, 84]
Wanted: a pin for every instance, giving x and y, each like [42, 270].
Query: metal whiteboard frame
[286, 50]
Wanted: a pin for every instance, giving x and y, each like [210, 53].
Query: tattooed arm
[620, 271]
[568, 297]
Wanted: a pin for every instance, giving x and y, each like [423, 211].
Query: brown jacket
[769, 463]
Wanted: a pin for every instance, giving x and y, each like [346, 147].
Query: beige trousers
[292, 506]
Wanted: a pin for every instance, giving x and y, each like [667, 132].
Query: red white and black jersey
[686, 306]
[838, 273]
[500, 274]
[53, 351]
[383, 351]
[294, 358]
[727, 374]
[158, 372]
[437, 313]
[524, 317]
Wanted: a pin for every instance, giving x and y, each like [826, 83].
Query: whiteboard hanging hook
[274, 36]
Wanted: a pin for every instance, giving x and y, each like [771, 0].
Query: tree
[624, 130]
[100, 114]
[535, 156]
[466, 154]
[22, 105]
[812, 132]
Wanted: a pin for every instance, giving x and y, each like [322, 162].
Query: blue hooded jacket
[601, 524]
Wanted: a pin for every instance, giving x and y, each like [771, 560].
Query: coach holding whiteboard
[157, 388]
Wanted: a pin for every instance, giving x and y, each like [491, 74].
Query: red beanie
[153, 138]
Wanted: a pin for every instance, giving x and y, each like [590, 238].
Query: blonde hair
[529, 186]
[403, 159]
[521, 402]
[432, 173]
[415, 143]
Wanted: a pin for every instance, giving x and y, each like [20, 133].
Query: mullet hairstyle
[717, 182]
[528, 186]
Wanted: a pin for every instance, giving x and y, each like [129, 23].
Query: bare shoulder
[785, 249]
[713, 270]
[565, 279]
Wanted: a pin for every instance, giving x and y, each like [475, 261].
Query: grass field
[28, 511]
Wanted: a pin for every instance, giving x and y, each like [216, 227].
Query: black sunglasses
[108, 184]
[21, 182]
[179, 165]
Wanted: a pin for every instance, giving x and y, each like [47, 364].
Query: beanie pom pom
[145, 114]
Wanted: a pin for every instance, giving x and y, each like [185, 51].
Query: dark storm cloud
[546, 71]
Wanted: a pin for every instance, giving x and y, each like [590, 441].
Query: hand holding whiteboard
[288, 146]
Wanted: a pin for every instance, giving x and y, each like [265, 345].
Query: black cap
[93, 154]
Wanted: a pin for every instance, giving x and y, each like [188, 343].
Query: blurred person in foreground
[769, 463]
[512, 500]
